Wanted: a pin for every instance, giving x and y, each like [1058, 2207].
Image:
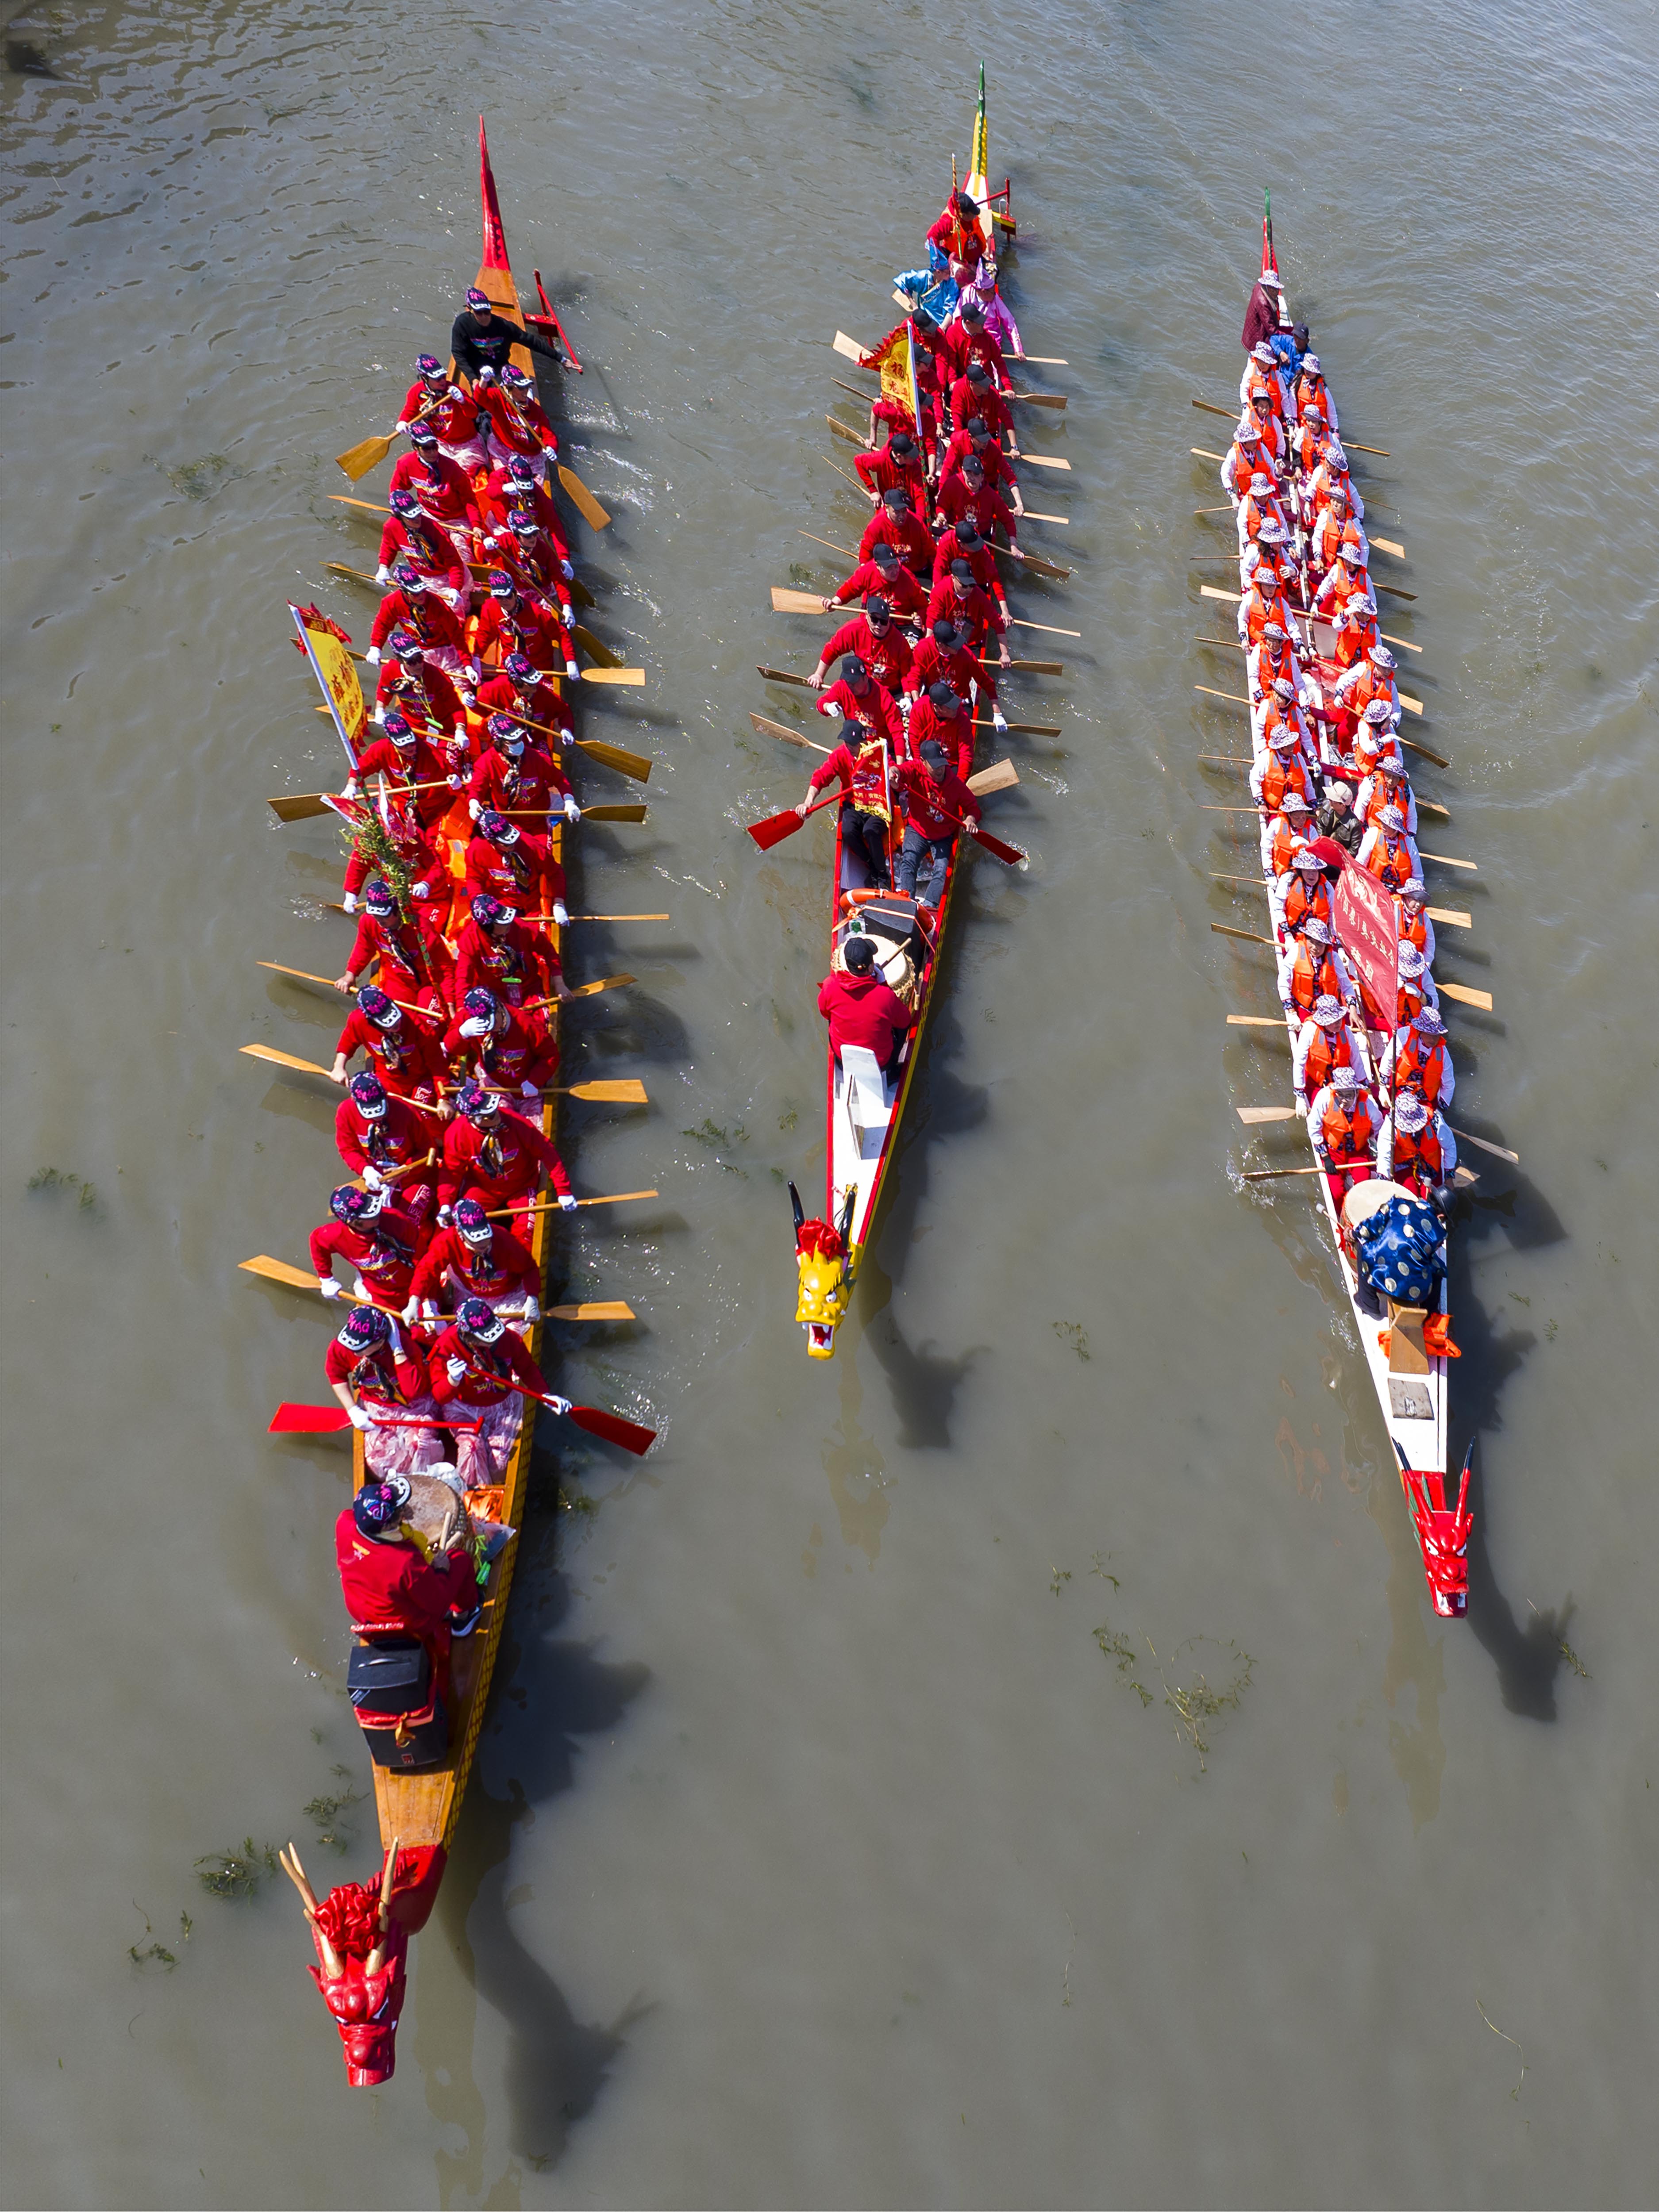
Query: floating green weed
[236, 1874]
[56, 1179]
[1196, 1704]
[1071, 1332]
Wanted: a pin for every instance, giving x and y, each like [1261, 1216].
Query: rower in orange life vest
[1264, 600]
[515, 866]
[401, 1049]
[1416, 1148]
[1264, 372]
[1387, 785]
[883, 575]
[1342, 1122]
[1279, 710]
[508, 1047]
[1301, 894]
[409, 537]
[1242, 461]
[1274, 553]
[1325, 1042]
[863, 765]
[378, 1376]
[1265, 664]
[1368, 683]
[479, 1369]
[1281, 769]
[875, 640]
[383, 1139]
[1417, 1058]
[1347, 581]
[1356, 630]
[1333, 526]
[475, 1258]
[1412, 918]
[1290, 836]
[1414, 987]
[372, 1235]
[1313, 396]
[497, 1157]
[1387, 852]
[451, 414]
[1310, 967]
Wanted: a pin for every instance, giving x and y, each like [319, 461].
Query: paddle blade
[634, 678]
[1251, 1114]
[279, 1271]
[605, 983]
[786, 602]
[623, 813]
[612, 1426]
[1465, 997]
[585, 505]
[776, 827]
[593, 647]
[352, 576]
[1002, 775]
[357, 460]
[625, 763]
[1010, 855]
[304, 806]
[842, 431]
[612, 1309]
[1051, 460]
[283, 1059]
[782, 676]
[763, 728]
[291, 1420]
[624, 1092]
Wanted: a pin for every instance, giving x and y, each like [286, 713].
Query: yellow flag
[892, 357]
[337, 675]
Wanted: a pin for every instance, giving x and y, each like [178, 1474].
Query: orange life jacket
[1303, 905]
[1410, 1001]
[1269, 670]
[1311, 979]
[1381, 797]
[1347, 1136]
[1283, 774]
[1329, 1050]
[1255, 512]
[1312, 397]
[1390, 862]
[1420, 1071]
[1421, 1153]
[1285, 844]
[1260, 610]
[1412, 929]
[1354, 638]
[1347, 584]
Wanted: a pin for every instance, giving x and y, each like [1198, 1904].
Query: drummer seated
[863, 1008]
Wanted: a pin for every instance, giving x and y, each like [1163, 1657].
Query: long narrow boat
[1411, 1379]
[362, 1929]
[864, 1107]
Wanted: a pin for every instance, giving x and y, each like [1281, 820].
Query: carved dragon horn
[289, 1861]
[800, 1210]
[389, 1872]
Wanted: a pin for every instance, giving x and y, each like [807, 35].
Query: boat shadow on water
[548, 1693]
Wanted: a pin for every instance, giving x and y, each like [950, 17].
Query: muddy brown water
[836, 1836]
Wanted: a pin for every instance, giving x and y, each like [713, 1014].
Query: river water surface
[836, 1839]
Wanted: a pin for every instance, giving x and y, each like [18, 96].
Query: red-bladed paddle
[776, 827]
[1010, 855]
[612, 1426]
[291, 1419]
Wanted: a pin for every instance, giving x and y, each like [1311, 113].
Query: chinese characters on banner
[1368, 931]
[339, 679]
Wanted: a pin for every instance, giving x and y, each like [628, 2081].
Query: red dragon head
[362, 1932]
[1442, 1534]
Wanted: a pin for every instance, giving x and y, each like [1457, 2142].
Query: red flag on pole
[495, 239]
[1367, 933]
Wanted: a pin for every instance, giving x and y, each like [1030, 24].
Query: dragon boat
[1399, 1339]
[423, 1732]
[863, 1106]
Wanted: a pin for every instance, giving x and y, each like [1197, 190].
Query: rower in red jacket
[962, 542]
[965, 339]
[517, 688]
[877, 641]
[481, 1370]
[884, 573]
[516, 422]
[375, 1372]
[518, 486]
[975, 437]
[508, 1047]
[936, 803]
[896, 521]
[443, 488]
[475, 1258]
[423, 694]
[946, 655]
[516, 866]
[378, 1137]
[862, 699]
[862, 764]
[973, 393]
[372, 1235]
[959, 599]
[517, 778]
[420, 777]
[423, 615]
[497, 1157]
[510, 621]
[402, 1049]
[941, 716]
[386, 1580]
[968, 494]
[498, 953]
[411, 963]
[526, 553]
[448, 411]
[409, 537]
[862, 1007]
[898, 465]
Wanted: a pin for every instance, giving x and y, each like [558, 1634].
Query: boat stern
[824, 1265]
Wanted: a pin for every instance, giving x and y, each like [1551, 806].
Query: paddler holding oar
[862, 763]
[453, 417]
[475, 1258]
[408, 536]
[442, 487]
[479, 338]
[882, 574]
[937, 802]
[386, 1140]
[374, 1237]
[402, 1049]
[382, 1379]
[482, 1370]
[497, 1157]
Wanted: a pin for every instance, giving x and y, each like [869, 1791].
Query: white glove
[561, 914]
[571, 670]
[532, 1308]
[373, 1177]
[529, 1090]
[446, 1215]
[456, 1370]
[999, 722]
[572, 807]
[351, 787]
[394, 1336]
[486, 376]
[474, 808]
[830, 707]
[555, 1404]
[382, 574]
[567, 737]
[373, 656]
[566, 1202]
[566, 570]
[469, 697]
[359, 1417]
[411, 1311]
[328, 1286]
[455, 392]
[420, 890]
[350, 902]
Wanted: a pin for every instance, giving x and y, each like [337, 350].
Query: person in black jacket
[482, 339]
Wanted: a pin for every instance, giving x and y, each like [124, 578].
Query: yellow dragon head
[821, 1260]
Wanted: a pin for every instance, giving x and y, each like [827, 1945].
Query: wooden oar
[594, 648]
[590, 508]
[359, 459]
[1046, 461]
[846, 478]
[352, 576]
[1447, 861]
[1041, 359]
[1022, 729]
[1034, 561]
[302, 1278]
[301, 806]
[1209, 407]
[613, 813]
[782, 676]
[291, 1419]
[776, 826]
[1054, 399]
[284, 1059]
[1032, 514]
[1048, 629]
[1026, 667]
[1237, 698]
[633, 678]
[551, 1204]
[1501, 1151]
[1465, 997]
[1248, 935]
[328, 982]
[1001, 775]
[1229, 760]
[784, 601]
[765, 728]
[842, 431]
[1259, 1022]
[1252, 1115]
